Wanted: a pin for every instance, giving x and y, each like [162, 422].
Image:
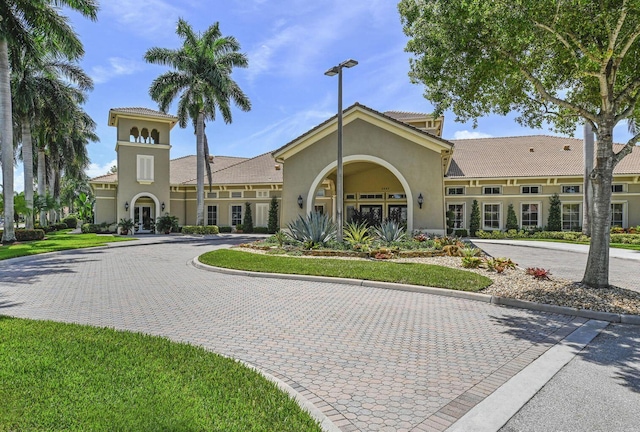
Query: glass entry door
[143, 218]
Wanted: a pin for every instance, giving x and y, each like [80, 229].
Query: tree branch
[614, 37]
[626, 94]
[628, 110]
[627, 46]
[558, 36]
[548, 96]
[627, 149]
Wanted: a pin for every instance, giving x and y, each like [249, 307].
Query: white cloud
[151, 19]
[300, 42]
[118, 66]
[96, 170]
[465, 134]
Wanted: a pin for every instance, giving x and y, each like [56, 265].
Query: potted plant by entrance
[125, 225]
[167, 223]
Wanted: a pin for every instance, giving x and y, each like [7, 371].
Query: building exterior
[394, 163]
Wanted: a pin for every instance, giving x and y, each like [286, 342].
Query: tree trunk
[27, 159]
[6, 131]
[200, 169]
[42, 183]
[52, 212]
[597, 271]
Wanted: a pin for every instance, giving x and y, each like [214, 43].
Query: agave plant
[357, 233]
[390, 231]
[315, 229]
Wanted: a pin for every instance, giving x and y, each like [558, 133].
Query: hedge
[29, 234]
[198, 229]
[102, 228]
[71, 221]
[225, 229]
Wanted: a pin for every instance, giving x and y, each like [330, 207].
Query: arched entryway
[371, 185]
[143, 210]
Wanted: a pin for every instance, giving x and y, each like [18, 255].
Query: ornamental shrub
[59, 226]
[554, 221]
[247, 222]
[71, 221]
[474, 223]
[272, 226]
[222, 229]
[512, 219]
[29, 234]
[200, 229]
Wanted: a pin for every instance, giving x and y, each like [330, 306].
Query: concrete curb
[325, 423]
[496, 409]
[498, 301]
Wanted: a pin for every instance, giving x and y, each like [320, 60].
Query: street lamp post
[337, 70]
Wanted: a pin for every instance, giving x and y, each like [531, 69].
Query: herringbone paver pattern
[370, 359]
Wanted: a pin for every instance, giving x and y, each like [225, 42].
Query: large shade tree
[23, 24]
[201, 76]
[561, 62]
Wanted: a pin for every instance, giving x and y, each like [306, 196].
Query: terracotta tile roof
[145, 112]
[106, 178]
[512, 157]
[258, 170]
[183, 170]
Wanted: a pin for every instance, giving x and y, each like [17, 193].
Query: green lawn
[58, 241]
[409, 273]
[76, 378]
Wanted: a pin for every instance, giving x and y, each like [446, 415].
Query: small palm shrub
[472, 262]
[357, 234]
[470, 251]
[390, 231]
[314, 230]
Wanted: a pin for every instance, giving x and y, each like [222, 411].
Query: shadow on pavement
[7, 304]
[28, 272]
[617, 347]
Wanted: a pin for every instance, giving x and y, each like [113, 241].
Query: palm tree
[38, 85]
[24, 23]
[202, 77]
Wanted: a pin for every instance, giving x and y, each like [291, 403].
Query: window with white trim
[320, 193]
[530, 215]
[396, 196]
[617, 188]
[491, 190]
[571, 217]
[617, 214]
[236, 215]
[236, 194]
[145, 168]
[262, 194]
[212, 194]
[457, 190]
[458, 215]
[491, 216]
[528, 190]
[571, 189]
[350, 196]
[212, 215]
[371, 196]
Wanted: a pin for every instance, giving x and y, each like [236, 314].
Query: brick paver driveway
[369, 359]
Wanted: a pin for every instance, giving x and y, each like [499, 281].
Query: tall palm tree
[202, 77]
[23, 24]
[38, 84]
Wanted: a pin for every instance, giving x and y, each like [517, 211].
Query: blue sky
[289, 43]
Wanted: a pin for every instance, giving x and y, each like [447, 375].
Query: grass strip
[408, 273]
[76, 378]
[58, 241]
[628, 246]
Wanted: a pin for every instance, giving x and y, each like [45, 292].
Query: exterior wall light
[300, 201]
[420, 200]
[126, 205]
[162, 206]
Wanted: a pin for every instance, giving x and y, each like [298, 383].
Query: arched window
[155, 136]
[134, 135]
[145, 135]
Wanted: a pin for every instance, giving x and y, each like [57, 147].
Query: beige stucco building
[394, 162]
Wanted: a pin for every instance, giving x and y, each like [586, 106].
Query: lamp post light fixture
[162, 206]
[420, 200]
[300, 201]
[126, 205]
[337, 70]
